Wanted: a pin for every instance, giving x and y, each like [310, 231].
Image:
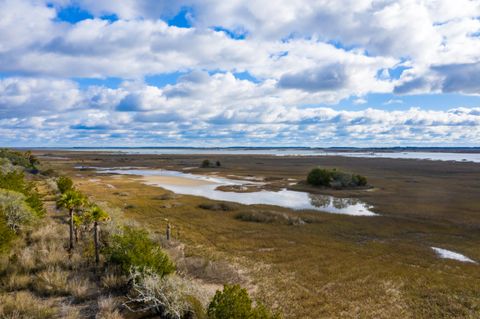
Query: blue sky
[303, 73]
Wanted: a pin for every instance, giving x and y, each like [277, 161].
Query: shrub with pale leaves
[15, 210]
[170, 296]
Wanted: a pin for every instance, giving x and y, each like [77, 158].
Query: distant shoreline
[265, 148]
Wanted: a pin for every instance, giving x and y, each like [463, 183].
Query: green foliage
[64, 184]
[134, 248]
[72, 200]
[14, 210]
[235, 303]
[24, 159]
[319, 177]
[205, 163]
[96, 214]
[6, 234]
[15, 181]
[334, 178]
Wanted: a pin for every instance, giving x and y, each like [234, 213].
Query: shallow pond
[206, 186]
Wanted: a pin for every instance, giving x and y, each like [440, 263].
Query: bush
[15, 181]
[234, 303]
[64, 184]
[171, 296]
[319, 177]
[225, 207]
[134, 248]
[14, 209]
[205, 163]
[25, 159]
[334, 178]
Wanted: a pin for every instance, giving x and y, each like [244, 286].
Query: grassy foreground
[123, 271]
[332, 266]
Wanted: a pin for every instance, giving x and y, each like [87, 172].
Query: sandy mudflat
[174, 181]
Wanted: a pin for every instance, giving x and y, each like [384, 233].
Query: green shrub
[15, 181]
[334, 178]
[134, 248]
[6, 235]
[235, 303]
[319, 177]
[64, 184]
[14, 209]
[205, 163]
[25, 159]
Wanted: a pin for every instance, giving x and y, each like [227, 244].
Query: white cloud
[299, 53]
[237, 111]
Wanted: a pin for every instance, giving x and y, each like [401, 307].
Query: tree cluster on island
[333, 178]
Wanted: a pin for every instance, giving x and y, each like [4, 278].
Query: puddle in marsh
[206, 186]
[448, 254]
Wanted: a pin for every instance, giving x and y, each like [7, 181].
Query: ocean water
[420, 155]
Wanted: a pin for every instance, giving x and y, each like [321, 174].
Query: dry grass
[24, 305]
[108, 308]
[15, 281]
[69, 312]
[112, 281]
[52, 281]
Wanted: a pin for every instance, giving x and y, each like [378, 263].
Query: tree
[71, 200]
[319, 177]
[96, 215]
[64, 184]
[78, 220]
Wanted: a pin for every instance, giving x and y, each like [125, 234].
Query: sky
[316, 73]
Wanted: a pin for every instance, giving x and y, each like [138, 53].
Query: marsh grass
[333, 266]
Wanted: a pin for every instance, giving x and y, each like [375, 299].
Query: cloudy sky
[239, 72]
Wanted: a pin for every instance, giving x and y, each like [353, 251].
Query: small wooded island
[334, 178]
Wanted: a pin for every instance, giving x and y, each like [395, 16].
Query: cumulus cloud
[241, 112]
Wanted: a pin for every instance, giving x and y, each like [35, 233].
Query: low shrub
[268, 217]
[134, 248]
[15, 181]
[24, 159]
[235, 303]
[170, 296]
[14, 209]
[217, 206]
[205, 163]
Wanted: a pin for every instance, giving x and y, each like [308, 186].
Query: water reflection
[351, 206]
